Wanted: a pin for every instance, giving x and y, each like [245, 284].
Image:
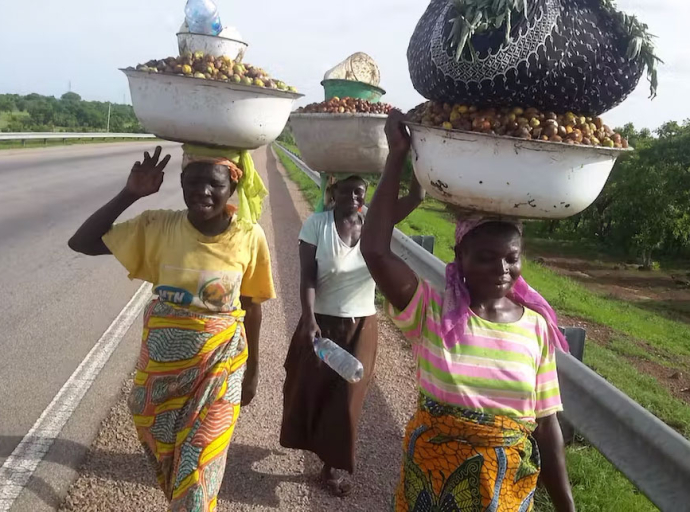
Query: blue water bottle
[202, 17]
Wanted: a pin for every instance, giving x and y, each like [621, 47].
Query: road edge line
[18, 468]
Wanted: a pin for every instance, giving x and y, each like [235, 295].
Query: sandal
[340, 487]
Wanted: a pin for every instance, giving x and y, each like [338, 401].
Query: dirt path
[666, 292]
[260, 475]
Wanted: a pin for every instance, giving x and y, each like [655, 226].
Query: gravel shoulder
[261, 475]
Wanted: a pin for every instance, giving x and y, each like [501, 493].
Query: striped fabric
[500, 369]
[186, 399]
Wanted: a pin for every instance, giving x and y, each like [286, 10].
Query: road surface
[57, 303]
[60, 304]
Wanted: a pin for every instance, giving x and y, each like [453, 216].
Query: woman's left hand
[249, 386]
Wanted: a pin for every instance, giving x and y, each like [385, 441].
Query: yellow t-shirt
[189, 268]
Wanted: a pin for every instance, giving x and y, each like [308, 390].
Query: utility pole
[107, 129]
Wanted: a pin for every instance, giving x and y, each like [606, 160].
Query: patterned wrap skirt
[458, 460]
[186, 399]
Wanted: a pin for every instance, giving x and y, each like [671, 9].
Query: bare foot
[339, 485]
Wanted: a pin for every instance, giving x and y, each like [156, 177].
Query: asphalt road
[57, 303]
[61, 303]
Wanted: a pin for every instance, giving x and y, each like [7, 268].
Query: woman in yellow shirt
[211, 270]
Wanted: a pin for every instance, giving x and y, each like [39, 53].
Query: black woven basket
[564, 55]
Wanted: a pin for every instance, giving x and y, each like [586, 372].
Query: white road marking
[16, 472]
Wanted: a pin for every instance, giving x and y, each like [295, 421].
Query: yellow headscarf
[251, 190]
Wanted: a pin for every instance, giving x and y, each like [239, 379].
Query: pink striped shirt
[501, 369]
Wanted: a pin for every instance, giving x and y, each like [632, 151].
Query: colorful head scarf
[456, 303]
[251, 190]
[328, 181]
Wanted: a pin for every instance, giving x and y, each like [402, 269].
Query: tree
[70, 96]
[7, 104]
[41, 112]
[69, 113]
[668, 129]
[645, 205]
[287, 136]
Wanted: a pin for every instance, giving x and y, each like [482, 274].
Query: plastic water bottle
[202, 17]
[339, 359]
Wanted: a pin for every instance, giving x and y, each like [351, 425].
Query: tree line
[36, 113]
[644, 208]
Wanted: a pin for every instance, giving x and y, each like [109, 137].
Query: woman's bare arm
[89, 237]
[252, 326]
[145, 179]
[307, 291]
[407, 204]
[554, 473]
[394, 278]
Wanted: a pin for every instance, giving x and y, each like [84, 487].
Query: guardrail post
[575, 337]
[426, 241]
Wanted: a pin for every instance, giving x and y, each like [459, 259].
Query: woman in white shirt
[321, 410]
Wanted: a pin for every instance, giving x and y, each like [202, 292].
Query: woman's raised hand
[146, 177]
[397, 134]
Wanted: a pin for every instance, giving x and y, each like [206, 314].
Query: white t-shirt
[344, 287]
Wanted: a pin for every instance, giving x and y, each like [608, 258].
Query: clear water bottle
[339, 359]
[202, 17]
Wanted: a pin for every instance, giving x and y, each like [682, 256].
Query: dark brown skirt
[321, 410]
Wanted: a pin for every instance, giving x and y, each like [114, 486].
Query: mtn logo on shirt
[174, 295]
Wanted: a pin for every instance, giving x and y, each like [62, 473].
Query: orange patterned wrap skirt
[459, 460]
[186, 399]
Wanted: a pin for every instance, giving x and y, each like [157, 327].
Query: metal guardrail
[46, 136]
[653, 456]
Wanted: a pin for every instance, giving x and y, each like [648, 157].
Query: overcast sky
[47, 44]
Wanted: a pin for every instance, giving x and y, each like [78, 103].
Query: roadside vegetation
[69, 113]
[13, 144]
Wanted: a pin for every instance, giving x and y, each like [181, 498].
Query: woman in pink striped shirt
[486, 425]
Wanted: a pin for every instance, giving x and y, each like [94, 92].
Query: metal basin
[186, 109]
[211, 45]
[341, 143]
[509, 176]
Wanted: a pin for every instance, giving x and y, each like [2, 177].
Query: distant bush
[36, 113]
[645, 206]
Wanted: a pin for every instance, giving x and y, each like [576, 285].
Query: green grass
[291, 147]
[11, 144]
[597, 485]
[668, 336]
[308, 188]
[584, 249]
[641, 387]
[431, 219]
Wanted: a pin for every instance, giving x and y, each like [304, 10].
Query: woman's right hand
[397, 134]
[310, 330]
[146, 177]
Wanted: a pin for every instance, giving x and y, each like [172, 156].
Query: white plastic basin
[341, 143]
[211, 45]
[509, 176]
[186, 109]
